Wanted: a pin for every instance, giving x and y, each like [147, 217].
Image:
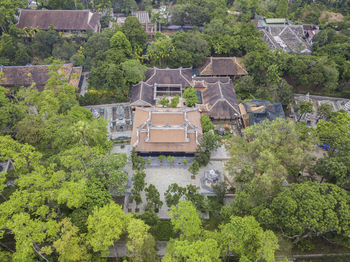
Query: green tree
[95, 48]
[185, 220]
[171, 159]
[210, 142]
[120, 45]
[110, 77]
[206, 123]
[200, 250]
[304, 108]
[138, 180]
[311, 209]
[191, 97]
[192, 194]
[134, 32]
[159, 52]
[29, 211]
[245, 238]
[325, 111]
[140, 243]
[153, 198]
[134, 71]
[8, 10]
[335, 132]
[191, 49]
[173, 194]
[70, 246]
[105, 225]
[164, 101]
[10, 113]
[174, 101]
[282, 8]
[127, 6]
[335, 165]
[194, 168]
[265, 156]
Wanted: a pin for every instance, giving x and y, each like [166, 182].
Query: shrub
[206, 123]
[175, 101]
[163, 231]
[194, 167]
[164, 101]
[191, 97]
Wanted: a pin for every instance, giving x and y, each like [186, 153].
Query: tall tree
[8, 10]
[312, 209]
[136, 35]
[105, 225]
[141, 243]
[282, 8]
[184, 218]
[245, 238]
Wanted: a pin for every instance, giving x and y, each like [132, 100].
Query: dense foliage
[57, 203]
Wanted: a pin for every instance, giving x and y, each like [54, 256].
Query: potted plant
[194, 168]
[171, 160]
[161, 159]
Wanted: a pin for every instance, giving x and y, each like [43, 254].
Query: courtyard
[163, 176]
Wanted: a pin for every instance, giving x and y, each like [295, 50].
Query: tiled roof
[38, 74]
[223, 66]
[287, 37]
[221, 100]
[202, 82]
[79, 20]
[143, 92]
[166, 130]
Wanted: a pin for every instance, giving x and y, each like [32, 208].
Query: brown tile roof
[79, 20]
[223, 66]
[181, 76]
[143, 92]
[221, 100]
[26, 75]
[166, 130]
[142, 95]
[202, 81]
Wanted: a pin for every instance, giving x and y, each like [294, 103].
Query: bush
[163, 231]
[90, 98]
[174, 101]
[191, 97]
[150, 218]
[206, 123]
[194, 167]
[164, 101]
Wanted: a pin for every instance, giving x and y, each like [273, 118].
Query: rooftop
[142, 94]
[79, 20]
[258, 110]
[223, 66]
[221, 100]
[281, 34]
[38, 74]
[166, 130]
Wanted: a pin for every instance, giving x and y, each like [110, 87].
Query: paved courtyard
[162, 177]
